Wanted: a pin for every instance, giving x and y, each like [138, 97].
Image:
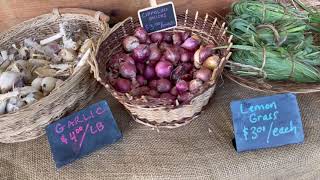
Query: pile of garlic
[34, 69]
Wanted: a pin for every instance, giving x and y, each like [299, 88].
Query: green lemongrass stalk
[266, 11]
[267, 34]
[314, 15]
[272, 41]
[276, 67]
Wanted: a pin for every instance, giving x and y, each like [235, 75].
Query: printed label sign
[159, 18]
[82, 133]
[266, 122]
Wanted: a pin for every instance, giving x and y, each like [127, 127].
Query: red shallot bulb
[185, 97]
[129, 59]
[203, 74]
[140, 68]
[163, 69]
[167, 37]
[139, 91]
[141, 34]
[163, 58]
[141, 80]
[182, 86]
[187, 66]
[181, 72]
[177, 39]
[211, 62]
[206, 52]
[156, 37]
[186, 77]
[164, 46]
[163, 85]
[172, 55]
[115, 61]
[130, 43]
[148, 40]
[168, 97]
[128, 70]
[155, 55]
[195, 85]
[153, 45]
[154, 93]
[123, 85]
[174, 91]
[149, 72]
[185, 56]
[153, 84]
[185, 35]
[192, 43]
[141, 53]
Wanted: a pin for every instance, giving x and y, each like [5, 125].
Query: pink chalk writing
[84, 135]
[79, 131]
[86, 117]
[83, 118]
[81, 126]
[59, 128]
[63, 139]
[100, 111]
[99, 127]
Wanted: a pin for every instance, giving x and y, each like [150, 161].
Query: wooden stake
[153, 3]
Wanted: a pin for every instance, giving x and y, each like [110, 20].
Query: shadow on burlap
[200, 150]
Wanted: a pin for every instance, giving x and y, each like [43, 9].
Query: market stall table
[200, 150]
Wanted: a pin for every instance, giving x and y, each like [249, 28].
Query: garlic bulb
[8, 80]
[36, 83]
[70, 44]
[14, 104]
[38, 62]
[32, 97]
[23, 52]
[3, 105]
[44, 72]
[68, 55]
[48, 84]
[24, 68]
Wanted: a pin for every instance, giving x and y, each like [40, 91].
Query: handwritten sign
[266, 122]
[159, 18]
[82, 133]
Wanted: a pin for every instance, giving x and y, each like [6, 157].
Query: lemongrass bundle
[273, 41]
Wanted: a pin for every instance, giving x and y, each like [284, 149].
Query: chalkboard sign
[266, 122]
[158, 18]
[82, 133]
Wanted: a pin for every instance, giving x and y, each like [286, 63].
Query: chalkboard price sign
[159, 18]
[82, 133]
[266, 122]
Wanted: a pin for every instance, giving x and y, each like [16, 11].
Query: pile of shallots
[31, 70]
[170, 68]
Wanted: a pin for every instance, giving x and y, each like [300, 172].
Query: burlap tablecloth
[201, 150]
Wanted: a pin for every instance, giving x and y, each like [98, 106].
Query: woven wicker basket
[278, 86]
[29, 122]
[169, 117]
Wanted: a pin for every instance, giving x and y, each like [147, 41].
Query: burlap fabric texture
[200, 150]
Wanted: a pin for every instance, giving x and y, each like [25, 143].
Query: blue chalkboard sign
[266, 122]
[82, 133]
[159, 18]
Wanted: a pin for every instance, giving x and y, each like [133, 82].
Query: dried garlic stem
[51, 39]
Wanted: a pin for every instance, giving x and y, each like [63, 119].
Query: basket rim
[58, 12]
[269, 86]
[95, 67]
